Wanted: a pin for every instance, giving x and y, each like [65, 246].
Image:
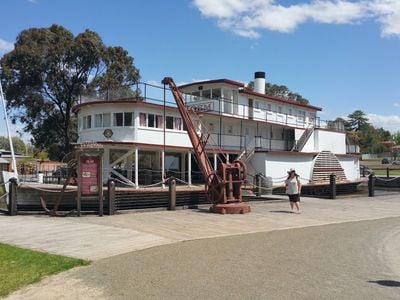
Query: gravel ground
[355, 260]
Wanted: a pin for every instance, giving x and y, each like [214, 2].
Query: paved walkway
[92, 237]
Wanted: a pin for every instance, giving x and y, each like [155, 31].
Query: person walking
[293, 189]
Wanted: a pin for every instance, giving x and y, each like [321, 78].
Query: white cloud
[221, 8]
[153, 82]
[5, 46]
[396, 104]
[246, 18]
[33, 1]
[388, 14]
[391, 123]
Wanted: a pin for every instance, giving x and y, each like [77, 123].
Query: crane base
[230, 208]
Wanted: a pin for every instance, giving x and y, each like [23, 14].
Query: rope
[275, 180]
[175, 172]
[154, 184]
[46, 190]
[4, 183]
[3, 196]
[177, 179]
[279, 181]
[123, 182]
[387, 180]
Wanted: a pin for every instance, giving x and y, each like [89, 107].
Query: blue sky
[343, 55]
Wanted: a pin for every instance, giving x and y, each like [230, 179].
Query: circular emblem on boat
[108, 133]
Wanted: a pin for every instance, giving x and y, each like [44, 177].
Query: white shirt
[292, 186]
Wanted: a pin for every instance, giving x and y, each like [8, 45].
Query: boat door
[251, 109]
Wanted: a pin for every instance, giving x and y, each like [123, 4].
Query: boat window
[118, 119]
[102, 120]
[142, 119]
[128, 119]
[107, 120]
[98, 120]
[206, 94]
[150, 120]
[196, 95]
[87, 122]
[159, 121]
[216, 93]
[169, 122]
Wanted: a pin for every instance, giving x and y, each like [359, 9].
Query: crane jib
[223, 186]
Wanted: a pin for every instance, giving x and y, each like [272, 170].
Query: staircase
[299, 145]
[325, 164]
[245, 155]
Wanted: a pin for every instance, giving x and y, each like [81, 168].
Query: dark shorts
[294, 198]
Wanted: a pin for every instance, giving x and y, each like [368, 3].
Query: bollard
[12, 202]
[101, 202]
[111, 197]
[171, 194]
[371, 185]
[259, 185]
[387, 172]
[332, 184]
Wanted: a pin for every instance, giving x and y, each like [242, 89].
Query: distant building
[6, 159]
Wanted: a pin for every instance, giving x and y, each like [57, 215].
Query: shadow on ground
[391, 283]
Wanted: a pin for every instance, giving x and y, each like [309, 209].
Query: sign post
[90, 178]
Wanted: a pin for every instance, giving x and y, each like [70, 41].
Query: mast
[3, 100]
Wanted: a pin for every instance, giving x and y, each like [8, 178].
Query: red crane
[223, 186]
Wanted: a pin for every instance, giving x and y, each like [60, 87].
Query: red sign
[90, 167]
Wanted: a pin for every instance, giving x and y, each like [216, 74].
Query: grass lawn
[383, 172]
[19, 267]
[3, 203]
[371, 162]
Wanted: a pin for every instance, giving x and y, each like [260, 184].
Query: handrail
[150, 93]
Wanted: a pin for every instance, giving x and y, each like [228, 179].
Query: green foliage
[47, 71]
[356, 121]
[396, 137]
[20, 267]
[19, 145]
[368, 137]
[42, 155]
[281, 91]
[370, 141]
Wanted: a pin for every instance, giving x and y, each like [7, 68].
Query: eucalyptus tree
[281, 91]
[46, 72]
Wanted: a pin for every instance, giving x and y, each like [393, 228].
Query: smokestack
[259, 82]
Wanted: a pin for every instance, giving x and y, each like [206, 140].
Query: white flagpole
[3, 100]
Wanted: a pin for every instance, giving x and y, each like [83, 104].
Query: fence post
[12, 202]
[387, 172]
[332, 184]
[371, 185]
[171, 194]
[111, 196]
